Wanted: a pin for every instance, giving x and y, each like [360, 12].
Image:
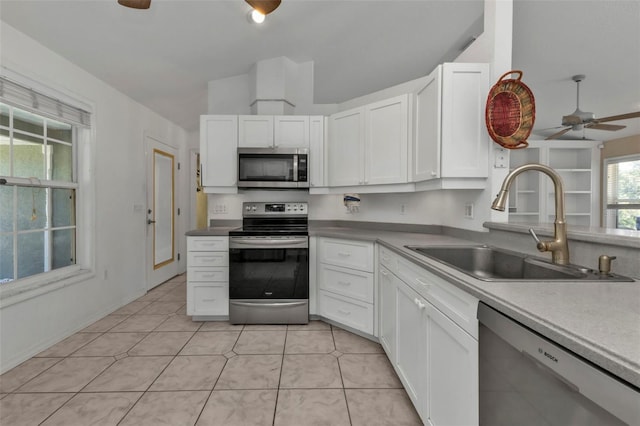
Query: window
[622, 186]
[38, 183]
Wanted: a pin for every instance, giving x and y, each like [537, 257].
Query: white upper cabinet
[268, 131]
[255, 131]
[426, 155]
[451, 140]
[346, 148]
[291, 131]
[317, 175]
[386, 141]
[369, 145]
[218, 153]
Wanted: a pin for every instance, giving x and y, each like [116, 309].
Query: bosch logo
[548, 355]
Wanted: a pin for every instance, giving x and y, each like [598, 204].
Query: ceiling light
[257, 17]
[264, 6]
[136, 4]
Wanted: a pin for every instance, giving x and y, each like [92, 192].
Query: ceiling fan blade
[558, 134]
[599, 126]
[619, 117]
[136, 4]
[264, 6]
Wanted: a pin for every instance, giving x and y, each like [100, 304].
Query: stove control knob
[254, 208]
[248, 208]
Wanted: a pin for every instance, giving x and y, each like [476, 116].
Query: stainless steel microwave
[273, 168]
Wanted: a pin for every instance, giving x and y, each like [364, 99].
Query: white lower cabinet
[452, 371]
[411, 350]
[346, 288]
[387, 312]
[208, 276]
[435, 358]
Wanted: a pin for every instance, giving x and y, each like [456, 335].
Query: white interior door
[162, 263]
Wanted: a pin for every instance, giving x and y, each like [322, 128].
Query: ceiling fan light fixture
[255, 17]
[136, 4]
[265, 7]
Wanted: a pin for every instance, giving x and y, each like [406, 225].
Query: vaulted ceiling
[163, 57]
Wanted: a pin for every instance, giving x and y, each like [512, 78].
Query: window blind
[621, 192]
[32, 100]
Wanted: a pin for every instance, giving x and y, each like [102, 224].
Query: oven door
[269, 280]
[269, 267]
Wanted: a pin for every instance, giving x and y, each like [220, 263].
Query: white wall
[30, 326]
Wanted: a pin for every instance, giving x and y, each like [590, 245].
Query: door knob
[149, 221]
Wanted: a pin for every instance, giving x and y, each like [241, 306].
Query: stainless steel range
[269, 265]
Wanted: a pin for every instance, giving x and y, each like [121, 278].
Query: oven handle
[239, 242]
[268, 305]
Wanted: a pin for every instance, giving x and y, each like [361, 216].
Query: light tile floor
[149, 364]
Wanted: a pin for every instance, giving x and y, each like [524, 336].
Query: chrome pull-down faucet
[559, 247]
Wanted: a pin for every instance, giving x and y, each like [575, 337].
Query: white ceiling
[163, 57]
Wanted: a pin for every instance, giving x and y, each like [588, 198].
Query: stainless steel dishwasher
[525, 379]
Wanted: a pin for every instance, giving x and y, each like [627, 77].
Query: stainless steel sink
[494, 264]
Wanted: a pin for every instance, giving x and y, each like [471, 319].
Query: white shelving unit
[531, 199]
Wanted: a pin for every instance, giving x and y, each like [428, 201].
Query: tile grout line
[344, 391]
[284, 346]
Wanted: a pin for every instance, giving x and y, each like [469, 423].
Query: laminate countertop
[600, 321]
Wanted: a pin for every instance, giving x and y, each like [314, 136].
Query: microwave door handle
[295, 167]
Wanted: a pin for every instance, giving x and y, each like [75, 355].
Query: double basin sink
[494, 264]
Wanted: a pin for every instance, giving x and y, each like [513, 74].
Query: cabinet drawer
[349, 254]
[207, 299]
[207, 244]
[350, 312]
[458, 305]
[203, 258]
[220, 274]
[347, 282]
[388, 259]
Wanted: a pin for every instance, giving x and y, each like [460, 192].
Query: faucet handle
[541, 246]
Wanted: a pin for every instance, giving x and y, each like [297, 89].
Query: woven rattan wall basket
[510, 112]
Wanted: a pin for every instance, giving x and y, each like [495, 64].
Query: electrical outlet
[468, 211]
[220, 209]
[403, 208]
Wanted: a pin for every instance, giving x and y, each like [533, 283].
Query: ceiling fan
[263, 6]
[579, 119]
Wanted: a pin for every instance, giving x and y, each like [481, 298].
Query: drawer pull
[383, 272]
[422, 283]
[344, 283]
[340, 311]
[420, 305]
[208, 300]
[344, 254]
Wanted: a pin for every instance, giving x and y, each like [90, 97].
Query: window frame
[84, 184]
[606, 207]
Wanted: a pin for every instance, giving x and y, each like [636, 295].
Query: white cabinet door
[465, 141]
[387, 283]
[386, 141]
[346, 148]
[411, 362]
[291, 131]
[317, 151]
[218, 150]
[453, 396]
[255, 131]
[426, 147]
